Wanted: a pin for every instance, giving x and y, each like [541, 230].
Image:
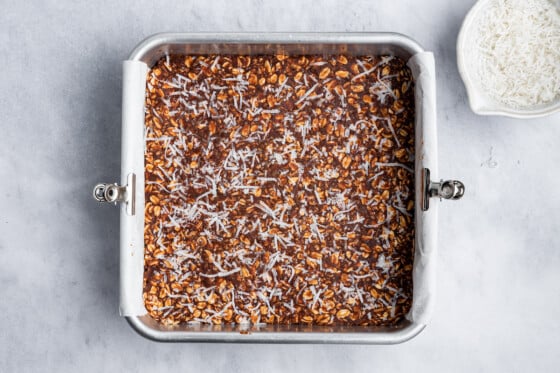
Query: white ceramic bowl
[480, 102]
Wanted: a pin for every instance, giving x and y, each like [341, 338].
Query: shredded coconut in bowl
[517, 52]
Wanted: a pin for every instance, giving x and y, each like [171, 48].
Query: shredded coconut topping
[279, 189]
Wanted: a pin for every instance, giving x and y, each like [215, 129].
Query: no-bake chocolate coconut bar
[279, 189]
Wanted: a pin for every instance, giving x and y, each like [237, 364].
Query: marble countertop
[498, 301]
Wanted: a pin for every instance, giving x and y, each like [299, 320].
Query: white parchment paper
[423, 70]
[132, 227]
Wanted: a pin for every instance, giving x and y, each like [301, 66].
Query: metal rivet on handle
[99, 192]
[114, 193]
[111, 193]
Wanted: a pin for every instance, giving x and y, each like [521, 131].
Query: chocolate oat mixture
[279, 189]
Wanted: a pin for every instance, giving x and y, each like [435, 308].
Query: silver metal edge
[156, 40]
[386, 338]
[394, 337]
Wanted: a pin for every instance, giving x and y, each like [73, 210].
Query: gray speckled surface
[498, 300]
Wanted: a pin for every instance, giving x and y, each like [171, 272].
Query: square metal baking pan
[131, 191]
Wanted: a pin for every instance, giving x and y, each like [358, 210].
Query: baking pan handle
[114, 193]
[448, 189]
